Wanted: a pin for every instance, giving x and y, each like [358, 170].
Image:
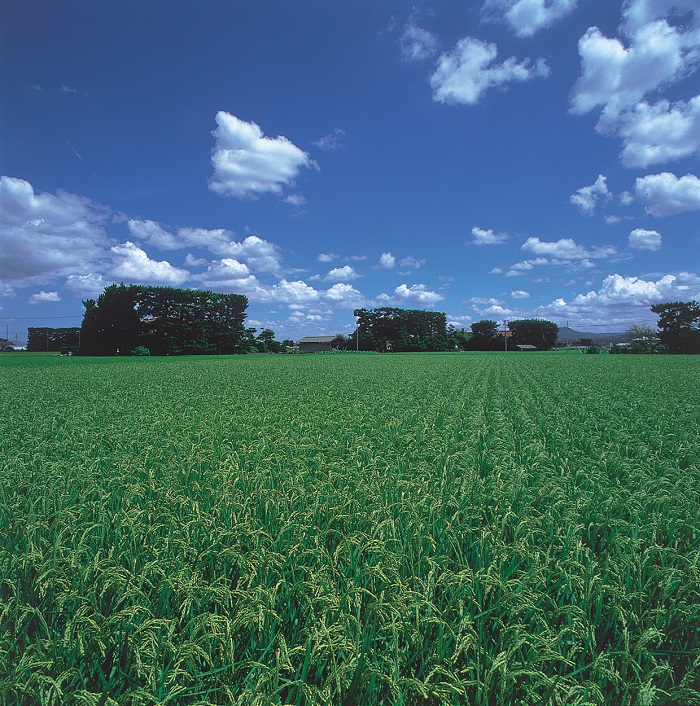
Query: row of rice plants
[406, 529]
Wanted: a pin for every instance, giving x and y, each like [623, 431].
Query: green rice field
[350, 529]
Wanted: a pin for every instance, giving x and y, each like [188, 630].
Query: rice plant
[394, 529]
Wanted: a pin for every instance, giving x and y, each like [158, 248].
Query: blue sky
[498, 159]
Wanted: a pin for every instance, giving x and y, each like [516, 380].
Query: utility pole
[505, 336]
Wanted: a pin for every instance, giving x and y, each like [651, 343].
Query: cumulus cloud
[566, 249]
[487, 237]
[526, 17]
[465, 73]
[259, 254]
[133, 265]
[417, 44]
[284, 292]
[565, 252]
[344, 294]
[387, 261]
[587, 197]
[656, 51]
[666, 194]
[154, 234]
[520, 294]
[660, 132]
[43, 236]
[247, 164]
[341, 274]
[624, 298]
[641, 239]
[417, 294]
[44, 297]
[327, 257]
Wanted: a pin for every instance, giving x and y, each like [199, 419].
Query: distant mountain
[600, 339]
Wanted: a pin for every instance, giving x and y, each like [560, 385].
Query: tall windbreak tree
[165, 320]
[484, 336]
[111, 325]
[52, 339]
[533, 332]
[679, 326]
[399, 330]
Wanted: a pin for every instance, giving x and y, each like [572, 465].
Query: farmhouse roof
[317, 339]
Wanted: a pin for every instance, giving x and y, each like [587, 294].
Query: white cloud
[491, 301]
[344, 294]
[229, 274]
[666, 194]
[641, 239]
[341, 274]
[623, 298]
[566, 249]
[487, 237]
[587, 197]
[387, 261]
[327, 257]
[297, 292]
[663, 47]
[260, 255]
[465, 73]
[246, 163]
[411, 262]
[418, 294]
[44, 297]
[496, 311]
[72, 91]
[661, 132]
[295, 200]
[417, 44]
[193, 261]
[154, 234]
[526, 17]
[617, 289]
[89, 285]
[520, 294]
[43, 236]
[566, 253]
[332, 141]
[133, 264]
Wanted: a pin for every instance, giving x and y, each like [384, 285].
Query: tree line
[405, 330]
[127, 319]
[139, 319]
[42, 338]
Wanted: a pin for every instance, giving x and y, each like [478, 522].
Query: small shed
[526, 347]
[316, 344]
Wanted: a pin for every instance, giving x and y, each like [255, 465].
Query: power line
[38, 318]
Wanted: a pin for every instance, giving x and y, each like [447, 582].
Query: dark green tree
[167, 321]
[484, 336]
[111, 325]
[52, 339]
[457, 338]
[399, 330]
[533, 332]
[265, 342]
[679, 326]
